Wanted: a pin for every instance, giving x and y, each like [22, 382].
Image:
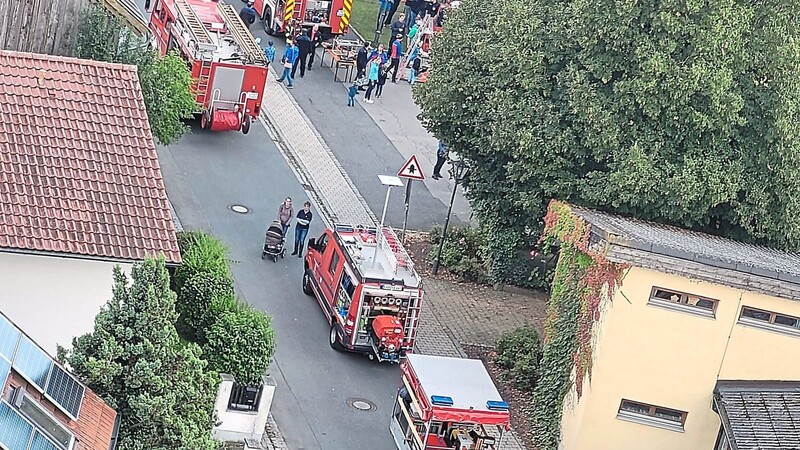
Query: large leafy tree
[135, 361]
[679, 111]
[165, 81]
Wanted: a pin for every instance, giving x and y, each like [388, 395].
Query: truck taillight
[348, 326]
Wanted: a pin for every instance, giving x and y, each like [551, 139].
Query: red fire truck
[289, 16]
[366, 285]
[447, 403]
[227, 64]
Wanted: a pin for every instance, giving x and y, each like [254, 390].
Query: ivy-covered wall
[582, 280]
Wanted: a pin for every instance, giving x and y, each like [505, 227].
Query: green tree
[682, 112]
[135, 361]
[241, 342]
[165, 81]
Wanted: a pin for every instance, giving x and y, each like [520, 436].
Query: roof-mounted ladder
[193, 22]
[247, 44]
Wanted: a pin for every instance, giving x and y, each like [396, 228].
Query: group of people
[373, 67]
[303, 217]
[299, 53]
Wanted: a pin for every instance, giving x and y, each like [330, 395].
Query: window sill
[693, 310]
[788, 331]
[650, 421]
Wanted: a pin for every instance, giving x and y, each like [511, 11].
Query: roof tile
[79, 173]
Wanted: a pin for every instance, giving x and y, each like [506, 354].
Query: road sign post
[410, 171]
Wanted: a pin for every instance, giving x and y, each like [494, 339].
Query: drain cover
[240, 209]
[361, 404]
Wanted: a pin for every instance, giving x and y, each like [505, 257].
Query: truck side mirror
[312, 243]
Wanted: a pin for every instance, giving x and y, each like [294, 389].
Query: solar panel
[9, 336]
[15, 432]
[65, 390]
[32, 362]
[5, 367]
[42, 443]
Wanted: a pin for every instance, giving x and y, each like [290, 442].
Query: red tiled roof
[79, 172]
[95, 425]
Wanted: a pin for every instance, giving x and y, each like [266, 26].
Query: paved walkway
[338, 200]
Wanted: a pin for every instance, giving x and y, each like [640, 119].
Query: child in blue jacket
[351, 95]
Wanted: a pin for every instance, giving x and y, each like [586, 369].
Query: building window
[657, 416]
[334, 262]
[769, 320]
[42, 419]
[681, 301]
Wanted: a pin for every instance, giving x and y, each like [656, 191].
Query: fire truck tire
[205, 120]
[268, 21]
[246, 128]
[307, 289]
[336, 344]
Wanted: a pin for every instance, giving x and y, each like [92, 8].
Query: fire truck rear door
[229, 82]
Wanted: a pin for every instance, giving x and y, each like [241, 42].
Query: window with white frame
[682, 301]
[770, 320]
[647, 414]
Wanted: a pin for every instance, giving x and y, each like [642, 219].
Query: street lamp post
[458, 170]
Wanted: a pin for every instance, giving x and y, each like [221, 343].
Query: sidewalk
[338, 200]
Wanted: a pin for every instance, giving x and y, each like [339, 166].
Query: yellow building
[689, 350]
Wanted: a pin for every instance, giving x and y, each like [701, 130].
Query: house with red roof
[80, 190]
[43, 406]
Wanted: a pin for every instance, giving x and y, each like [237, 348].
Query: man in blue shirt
[288, 59]
[304, 217]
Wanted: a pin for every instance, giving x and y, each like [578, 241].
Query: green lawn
[365, 14]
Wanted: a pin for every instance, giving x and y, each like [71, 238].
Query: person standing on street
[289, 56]
[399, 26]
[441, 157]
[383, 73]
[304, 217]
[285, 213]
[248, 14]
[316, 41]
[304, 48]
[392, 9]
[361, 61]
[352, 91]
[397, 53]
[374, 71]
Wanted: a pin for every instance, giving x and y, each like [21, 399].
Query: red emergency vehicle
[227, 64]
[447, 403]
[367, 287]
[290, 16]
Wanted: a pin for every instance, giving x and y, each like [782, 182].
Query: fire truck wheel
[336, 344]
[246, 124]
[307, 289]
[268, 21]
[205, 120]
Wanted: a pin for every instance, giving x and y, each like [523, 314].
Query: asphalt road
[205, 173]
[358, 143]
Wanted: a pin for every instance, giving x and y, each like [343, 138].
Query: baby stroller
[273, 242]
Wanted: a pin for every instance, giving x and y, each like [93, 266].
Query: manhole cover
[240, 209]
[361, 404]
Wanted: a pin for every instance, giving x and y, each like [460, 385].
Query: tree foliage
[135, 361]
[682, 112]
[165, 81]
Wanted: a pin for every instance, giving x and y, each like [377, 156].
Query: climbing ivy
[583, 278]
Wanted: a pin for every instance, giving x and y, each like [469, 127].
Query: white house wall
[54, 299]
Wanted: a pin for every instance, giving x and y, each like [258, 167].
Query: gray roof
[759, 415]
[694, 254]
[436, 377]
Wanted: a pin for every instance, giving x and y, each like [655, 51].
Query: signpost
[410, 171]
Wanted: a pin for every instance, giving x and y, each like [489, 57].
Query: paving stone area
[445, 320]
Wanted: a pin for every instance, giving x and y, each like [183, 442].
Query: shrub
[518, 355]
[462, 253]
[196, 304]
[241, 342]
[201, 253]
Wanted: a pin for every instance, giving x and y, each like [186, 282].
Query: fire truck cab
[290, 16]
[367, 287]
[447, 403]
[228, 66]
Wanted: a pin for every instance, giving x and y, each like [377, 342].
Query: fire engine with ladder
[367, 287]
[226, 62]
[290, 16]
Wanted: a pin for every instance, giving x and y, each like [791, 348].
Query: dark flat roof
[692, 246]
[759, 415]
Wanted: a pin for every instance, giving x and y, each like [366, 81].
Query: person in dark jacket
[304, 48]
[399, 26]
[248, 14]
[383, 73]
[316, 42]
[361, 60]
[392, 9]
[441, 157]
[304, 217]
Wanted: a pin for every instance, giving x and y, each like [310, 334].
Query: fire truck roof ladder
[193, 22]
[242, 35]
[205, 76]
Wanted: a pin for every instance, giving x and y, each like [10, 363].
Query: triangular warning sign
[411, 169]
